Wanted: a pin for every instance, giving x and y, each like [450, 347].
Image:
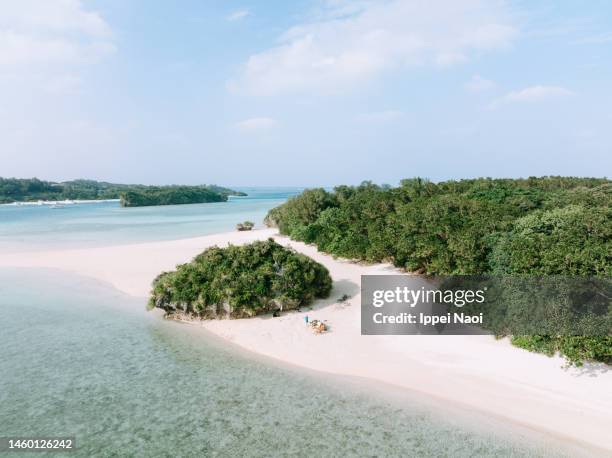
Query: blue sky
[305, 92]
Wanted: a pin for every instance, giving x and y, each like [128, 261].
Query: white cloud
[354, 42]
[380, 116]
[447, 59]
[533, 94]
[62, 84]
[252, 125]
[238, 14]
[44, 47]
[52, 15]
[17, 48]
[51, 31]
[479, 84]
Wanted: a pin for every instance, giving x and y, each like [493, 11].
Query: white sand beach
[476, 372]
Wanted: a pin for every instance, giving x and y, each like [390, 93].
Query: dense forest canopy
[533, 226]
[33, 189]
[240, 281]
[169, 195]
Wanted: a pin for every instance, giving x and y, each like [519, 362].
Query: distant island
[131, 195]
[170, 195]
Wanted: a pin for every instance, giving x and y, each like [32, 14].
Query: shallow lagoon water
[80, 359]
[33, 227]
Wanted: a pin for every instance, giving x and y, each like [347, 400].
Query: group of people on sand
[317, 326]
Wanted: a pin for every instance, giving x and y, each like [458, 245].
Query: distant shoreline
[24, 190]
[56, 202]
[35, 203]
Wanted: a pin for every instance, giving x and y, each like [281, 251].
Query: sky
[304, 93]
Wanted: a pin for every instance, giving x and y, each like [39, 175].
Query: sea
[82, 360]
[79, 225]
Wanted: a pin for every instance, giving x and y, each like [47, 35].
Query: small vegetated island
[33, 189]
[245, 226]
[548, 226]
[240, 281]
[170, 195]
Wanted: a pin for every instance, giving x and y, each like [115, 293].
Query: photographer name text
[426, 319]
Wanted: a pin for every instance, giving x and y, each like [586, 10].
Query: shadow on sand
[589, 370]
[340, 289]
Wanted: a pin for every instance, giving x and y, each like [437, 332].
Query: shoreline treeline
[533, 226]
[33, 189]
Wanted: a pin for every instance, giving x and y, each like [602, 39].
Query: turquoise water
[82, 360]
[36, 227]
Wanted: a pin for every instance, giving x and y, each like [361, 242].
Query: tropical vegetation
[169, 195]
[33, 189]
[240, 281]
[245, 226]
[532, 226]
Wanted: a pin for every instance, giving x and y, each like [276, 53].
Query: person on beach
[306, 319]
